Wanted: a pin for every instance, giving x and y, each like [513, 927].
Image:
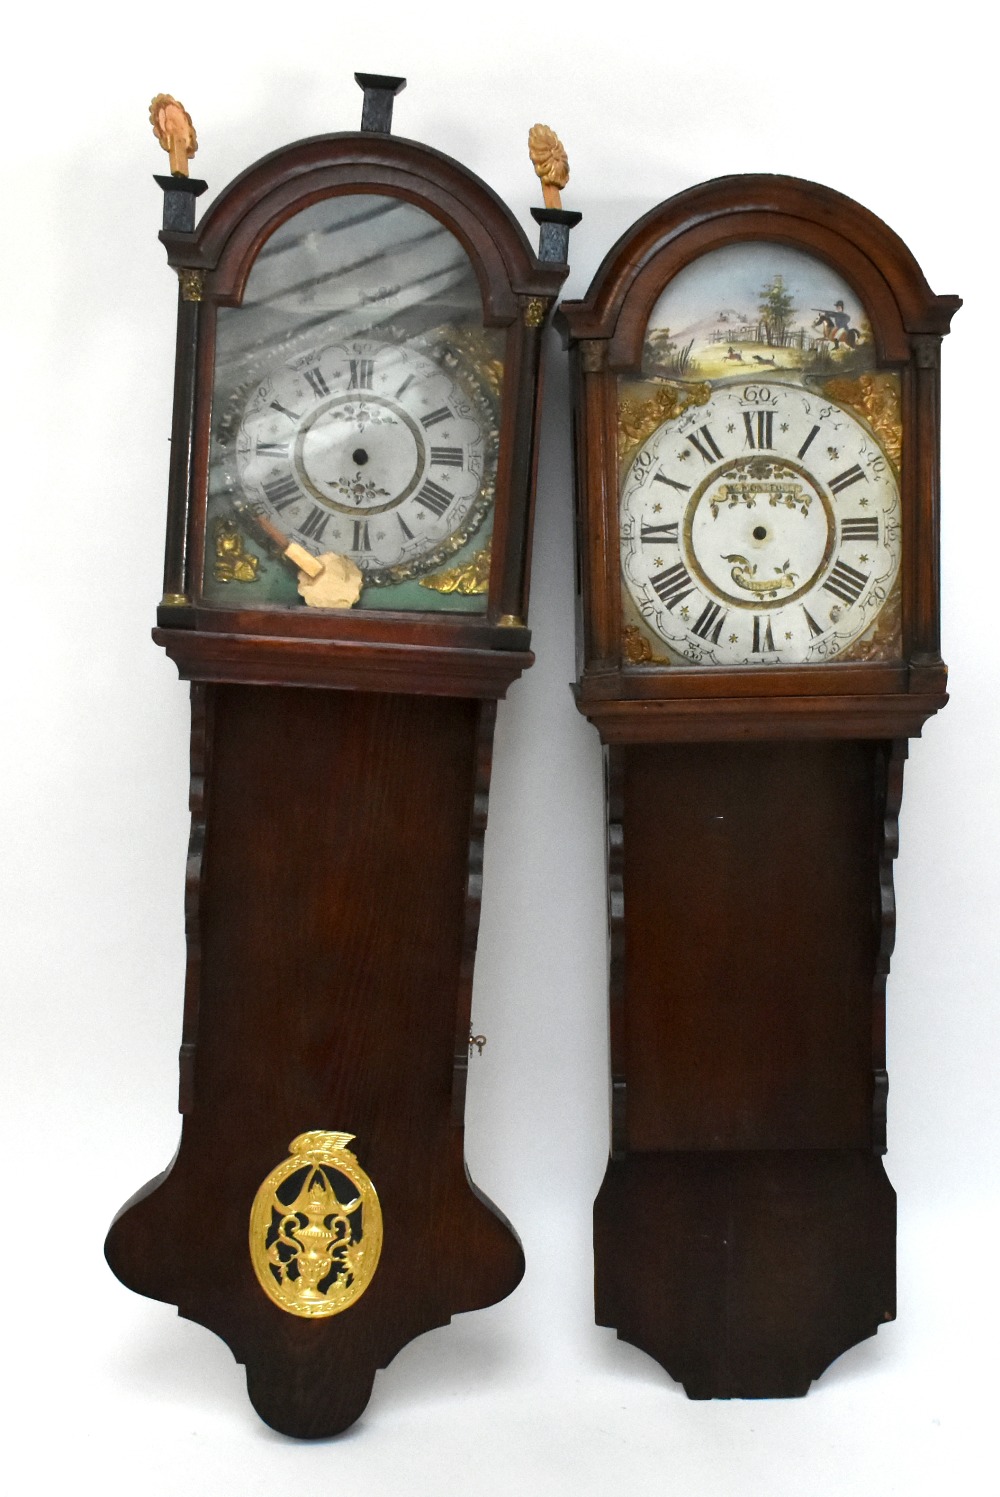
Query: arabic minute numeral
[447, 457]
[845, 479]
[763, 423]
[712, 456]
[434, 497]
[846, 582]
[659, 535]
[860, 528]
[672, 584]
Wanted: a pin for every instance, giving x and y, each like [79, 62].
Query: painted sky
[731, 280]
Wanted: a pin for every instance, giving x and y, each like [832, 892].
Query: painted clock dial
[759, 505]
[370, 449]
[356, 411]
[760, 527]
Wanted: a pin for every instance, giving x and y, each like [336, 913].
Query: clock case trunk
[752, 823]
[332, 912]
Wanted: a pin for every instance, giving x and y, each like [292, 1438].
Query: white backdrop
[108, 1391]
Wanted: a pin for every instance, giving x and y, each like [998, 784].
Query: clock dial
[760, 528]
[760, 511]
[369, 449]
[356, 412]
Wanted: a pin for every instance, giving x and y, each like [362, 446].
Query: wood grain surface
[335, 904]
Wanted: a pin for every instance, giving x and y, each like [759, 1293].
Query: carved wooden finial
[173, 128]
[550, 161]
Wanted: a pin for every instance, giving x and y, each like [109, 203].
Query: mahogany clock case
[340, 769]
[751, 816]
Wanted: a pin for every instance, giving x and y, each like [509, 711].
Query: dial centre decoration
[738, 526]
[359, 455]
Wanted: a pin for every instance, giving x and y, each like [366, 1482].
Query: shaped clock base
[760, 1268]
[333, 906]
[752, 922]
[305, 1378]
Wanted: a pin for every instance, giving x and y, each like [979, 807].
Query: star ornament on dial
[762, 528]
[371, 450]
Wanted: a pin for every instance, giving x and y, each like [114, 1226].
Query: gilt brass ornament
[533, 310]
[472, 577]
[192, 284]
[877, 398]
[637, 418]
[233, 562]
[316, 1228]
[637, 650]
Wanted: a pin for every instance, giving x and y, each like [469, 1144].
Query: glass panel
[760, 454]
[355, 414]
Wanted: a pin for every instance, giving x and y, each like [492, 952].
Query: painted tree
[662, 356]
[775, 309]
[659, 349]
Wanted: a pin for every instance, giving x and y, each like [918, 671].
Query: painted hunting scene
[757, 309]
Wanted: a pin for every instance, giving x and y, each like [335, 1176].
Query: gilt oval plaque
[316, 1228]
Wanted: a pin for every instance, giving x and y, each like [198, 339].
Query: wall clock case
[356, 405]
[756, 408]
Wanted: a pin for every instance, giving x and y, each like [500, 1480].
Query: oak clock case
[756, 403]
[355, 412]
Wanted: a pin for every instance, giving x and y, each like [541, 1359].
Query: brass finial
[551, 164]
[174, 130]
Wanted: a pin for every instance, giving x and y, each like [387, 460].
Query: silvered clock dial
[370, 449]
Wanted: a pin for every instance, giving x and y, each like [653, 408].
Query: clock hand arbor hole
[759, 533]
[360, 456]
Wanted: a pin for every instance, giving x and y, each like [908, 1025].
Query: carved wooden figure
[548, 157]
[346, 582]
[174, 129]
[755, 387]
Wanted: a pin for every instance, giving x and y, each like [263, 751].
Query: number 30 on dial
[761, 528]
